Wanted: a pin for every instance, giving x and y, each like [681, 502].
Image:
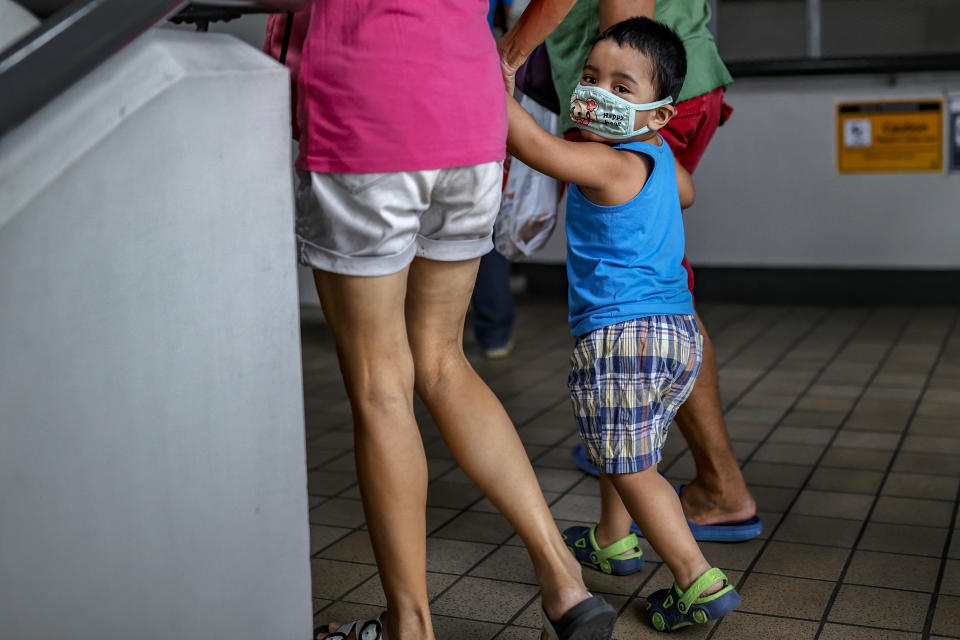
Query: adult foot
[704, 505]
[566, 589]
[373, 629]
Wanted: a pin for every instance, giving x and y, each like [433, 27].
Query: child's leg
[615, 520]
[653, 503]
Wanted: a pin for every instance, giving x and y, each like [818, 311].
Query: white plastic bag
[528, 210]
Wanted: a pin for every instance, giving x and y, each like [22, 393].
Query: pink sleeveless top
[398, 85]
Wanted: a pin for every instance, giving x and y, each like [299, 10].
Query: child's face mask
[607, 114]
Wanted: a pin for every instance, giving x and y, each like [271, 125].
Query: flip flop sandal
[724, 532]
[727, 531]
[672, 609]
[621, 558]
[365, 630]
[592, 619]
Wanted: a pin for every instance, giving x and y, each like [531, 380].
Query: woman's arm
[537, 21]
[614, 11]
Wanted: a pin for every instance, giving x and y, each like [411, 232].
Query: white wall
[152, 457]
[768, 191]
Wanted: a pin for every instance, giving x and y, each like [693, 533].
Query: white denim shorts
[374, 224]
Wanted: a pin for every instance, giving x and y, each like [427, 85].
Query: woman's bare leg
[477, 429]
[366, 317]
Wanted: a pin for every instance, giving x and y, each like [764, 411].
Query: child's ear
[661, 116]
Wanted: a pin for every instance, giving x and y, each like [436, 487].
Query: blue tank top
[624, 261]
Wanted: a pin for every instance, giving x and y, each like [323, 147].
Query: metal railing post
[814, 31]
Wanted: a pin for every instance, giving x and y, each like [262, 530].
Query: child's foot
[671, 609]
[620, 558]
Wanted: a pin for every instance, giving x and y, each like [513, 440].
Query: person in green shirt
[717, 502]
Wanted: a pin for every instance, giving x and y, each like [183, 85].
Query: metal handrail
[68, 45]
[203, 13]
[844, 66]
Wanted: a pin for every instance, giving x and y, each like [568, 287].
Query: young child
[638, 346]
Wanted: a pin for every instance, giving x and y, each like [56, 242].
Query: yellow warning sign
[883, 137]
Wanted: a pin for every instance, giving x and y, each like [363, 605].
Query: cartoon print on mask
[583, 111]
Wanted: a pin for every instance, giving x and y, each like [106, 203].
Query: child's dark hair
[659, 43]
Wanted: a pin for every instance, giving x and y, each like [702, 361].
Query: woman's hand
[508, 67]
[536, 22]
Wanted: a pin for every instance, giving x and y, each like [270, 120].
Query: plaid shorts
[627, 382]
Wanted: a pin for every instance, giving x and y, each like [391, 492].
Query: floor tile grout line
[813, 620]
[813, 382]
[871, 493]
[774, 616]
[516, 615]
[839, 350]
[855, 584]
[935, 597]
[749, 342]
[866, 522]
[945, 558]
[814, 325]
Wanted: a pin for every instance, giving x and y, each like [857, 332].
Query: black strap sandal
[592, 619]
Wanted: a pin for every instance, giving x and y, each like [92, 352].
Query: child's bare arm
[587, 164]
[685, 185]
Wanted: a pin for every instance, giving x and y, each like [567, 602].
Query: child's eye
[621, 89]
[589, 80]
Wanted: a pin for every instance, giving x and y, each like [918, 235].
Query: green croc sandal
[621, 558]
[671, 609]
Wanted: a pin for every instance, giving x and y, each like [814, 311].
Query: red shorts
[688, 134]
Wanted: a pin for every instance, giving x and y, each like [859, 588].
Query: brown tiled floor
[845, 420]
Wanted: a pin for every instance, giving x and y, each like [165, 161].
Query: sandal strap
[692, 594]
[371, 629]
[621, 546]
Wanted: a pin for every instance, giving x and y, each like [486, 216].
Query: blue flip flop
[726, 532]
